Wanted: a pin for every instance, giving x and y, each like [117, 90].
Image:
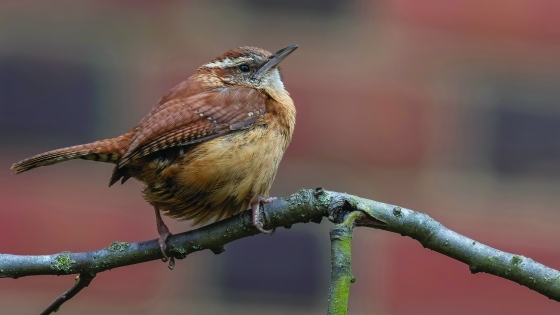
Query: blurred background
[449, 107]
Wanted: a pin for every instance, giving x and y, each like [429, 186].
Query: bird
[209, 148]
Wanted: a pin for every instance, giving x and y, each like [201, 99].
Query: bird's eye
[244, 68]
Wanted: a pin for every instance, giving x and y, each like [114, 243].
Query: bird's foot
[256, 219]
[164, 233]
[161, 241]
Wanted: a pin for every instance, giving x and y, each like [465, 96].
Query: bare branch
[479, 257]
[82, 281]
[298, 208]
[303, 206]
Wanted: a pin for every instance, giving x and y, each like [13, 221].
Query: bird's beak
[275, 60]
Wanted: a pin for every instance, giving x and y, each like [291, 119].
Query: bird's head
[250, 67]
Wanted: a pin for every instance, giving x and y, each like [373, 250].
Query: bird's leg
[163, 235]
[255, 207]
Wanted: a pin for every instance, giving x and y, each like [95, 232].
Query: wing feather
[194, 119]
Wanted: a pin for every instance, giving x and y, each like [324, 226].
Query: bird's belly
[221, 177]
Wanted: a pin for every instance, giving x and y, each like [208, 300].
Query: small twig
[341, 272]
[82, 281]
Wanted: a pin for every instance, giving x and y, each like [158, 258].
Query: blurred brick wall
[405, 102]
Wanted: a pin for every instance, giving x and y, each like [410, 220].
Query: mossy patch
[323, 199]
[179, 250]
[63, 262]
[516, 260]
[118, 246]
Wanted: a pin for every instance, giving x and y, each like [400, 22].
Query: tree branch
[303, 206]
[82, 281]
[341, 271]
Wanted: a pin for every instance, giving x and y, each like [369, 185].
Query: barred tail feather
[109, 150]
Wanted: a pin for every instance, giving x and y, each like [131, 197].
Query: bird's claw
[164, 233]
[162, 247]
[260, 227]
[256, 219]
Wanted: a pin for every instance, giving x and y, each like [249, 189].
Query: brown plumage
[210, 147]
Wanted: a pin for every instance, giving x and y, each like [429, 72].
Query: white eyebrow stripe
[227, 62]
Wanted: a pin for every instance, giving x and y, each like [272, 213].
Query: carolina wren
[209, 148]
